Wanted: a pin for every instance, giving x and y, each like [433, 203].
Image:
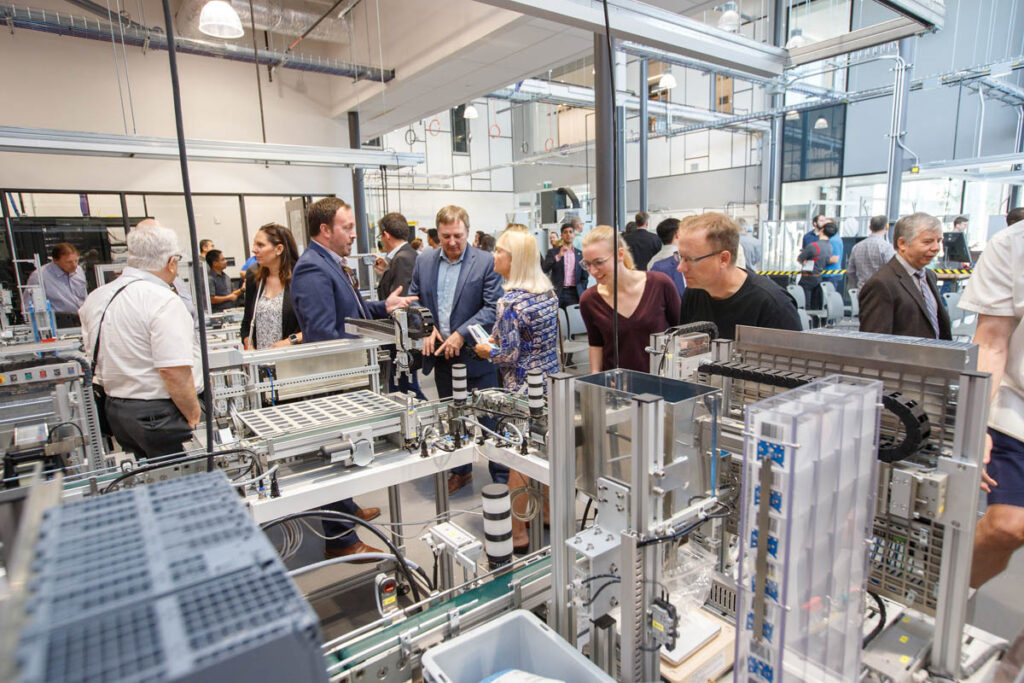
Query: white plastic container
[517, 640]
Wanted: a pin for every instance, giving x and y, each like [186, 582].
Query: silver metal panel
[862, 38]
[318, 412]
[930, 13]
[48, 141]
[648, 25]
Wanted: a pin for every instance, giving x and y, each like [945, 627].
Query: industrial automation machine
[802, 502]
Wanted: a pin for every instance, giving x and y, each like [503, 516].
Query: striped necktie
[929, 301]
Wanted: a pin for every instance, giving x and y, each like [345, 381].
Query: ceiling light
[220, 20]
[470, 112]
[821, 123]
[667, 81]
[730, 20]
[792, 115]
[796, 39]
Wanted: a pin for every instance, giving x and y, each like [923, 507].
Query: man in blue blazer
[323, 296]
[458, 284]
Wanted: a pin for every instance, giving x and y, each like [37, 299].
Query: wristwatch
[293, 338]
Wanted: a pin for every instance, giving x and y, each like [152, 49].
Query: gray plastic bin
[518, 640]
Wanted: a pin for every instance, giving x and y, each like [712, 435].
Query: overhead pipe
[48, 21]
[268, 16]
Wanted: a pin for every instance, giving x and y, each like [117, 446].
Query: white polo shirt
[147, 327]
[996, 287]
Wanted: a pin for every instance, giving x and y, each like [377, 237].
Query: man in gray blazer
[902, 297]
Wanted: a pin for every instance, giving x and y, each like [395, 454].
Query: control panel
[41, 373]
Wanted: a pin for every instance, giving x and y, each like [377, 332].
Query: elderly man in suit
[562, 264]
[902, 297]
[323, 296]
[458, 284]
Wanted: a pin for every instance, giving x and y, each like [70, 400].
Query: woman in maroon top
[648, 303]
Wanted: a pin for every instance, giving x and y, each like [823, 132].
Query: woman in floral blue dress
[525, 335]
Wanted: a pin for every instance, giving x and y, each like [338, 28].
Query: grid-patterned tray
[318, 412]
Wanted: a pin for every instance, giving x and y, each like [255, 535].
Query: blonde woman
[647, 303]
[525, 333]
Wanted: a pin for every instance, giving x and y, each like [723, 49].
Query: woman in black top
[269, 319]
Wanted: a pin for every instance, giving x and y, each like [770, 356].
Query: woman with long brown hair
[269, 319]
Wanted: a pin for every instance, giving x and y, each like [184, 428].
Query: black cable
[615, 190]
[600, 590]
[586, 513]
[149, 468]
[198, 275]
[595, 577]
[881, 620]
[49, 433]
[331, 514]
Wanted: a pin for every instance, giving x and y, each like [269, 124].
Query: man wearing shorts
[996, 293]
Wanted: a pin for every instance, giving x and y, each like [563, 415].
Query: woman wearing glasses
[647, 303]
[269, 320]
[525, 333]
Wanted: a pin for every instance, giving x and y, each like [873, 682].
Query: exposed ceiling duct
[59, 23]
[273, 16]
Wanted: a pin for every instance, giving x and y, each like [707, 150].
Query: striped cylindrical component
[535, 392]
[497, 524]
[459, 386]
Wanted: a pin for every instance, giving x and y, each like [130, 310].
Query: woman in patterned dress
[525, 335]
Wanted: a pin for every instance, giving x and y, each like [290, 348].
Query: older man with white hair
[143, 347]
[902, 297]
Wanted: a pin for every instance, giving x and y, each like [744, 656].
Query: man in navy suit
[458, 284]
[323, 296]
[571, 281]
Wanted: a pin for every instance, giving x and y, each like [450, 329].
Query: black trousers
[147, 428]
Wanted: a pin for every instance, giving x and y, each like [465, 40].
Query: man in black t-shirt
[719, 292]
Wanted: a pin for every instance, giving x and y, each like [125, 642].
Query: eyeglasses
[596, 263]
[177, 258]
[687, 260]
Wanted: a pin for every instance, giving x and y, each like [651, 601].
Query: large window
[460, 130]
[813, 144]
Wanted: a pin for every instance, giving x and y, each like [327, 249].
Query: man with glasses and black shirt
[719, 292]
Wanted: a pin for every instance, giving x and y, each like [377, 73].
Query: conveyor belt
[317, 412]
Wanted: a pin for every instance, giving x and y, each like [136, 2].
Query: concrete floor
[998, 607]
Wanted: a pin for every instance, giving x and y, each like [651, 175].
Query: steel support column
[776, 133]
[562, 460]
[604, 136]
[358, 195]
[446, 568]
[1018, 147]
[644, 94]
[897, 131]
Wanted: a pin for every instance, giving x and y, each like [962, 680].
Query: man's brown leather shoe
[357, 549]
[457, 481]
[367, 514]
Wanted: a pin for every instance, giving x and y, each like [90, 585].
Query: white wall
[69, 84]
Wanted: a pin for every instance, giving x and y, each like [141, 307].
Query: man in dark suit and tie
[395, 270]
[458, 284]
[323, 296]
[902, 297]
[563, 265]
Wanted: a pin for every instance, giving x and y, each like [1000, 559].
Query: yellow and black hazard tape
[952, 271]
[798, 272]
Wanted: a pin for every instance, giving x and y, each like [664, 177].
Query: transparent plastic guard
[809, 474]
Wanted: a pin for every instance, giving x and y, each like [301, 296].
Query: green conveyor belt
[487, 592]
